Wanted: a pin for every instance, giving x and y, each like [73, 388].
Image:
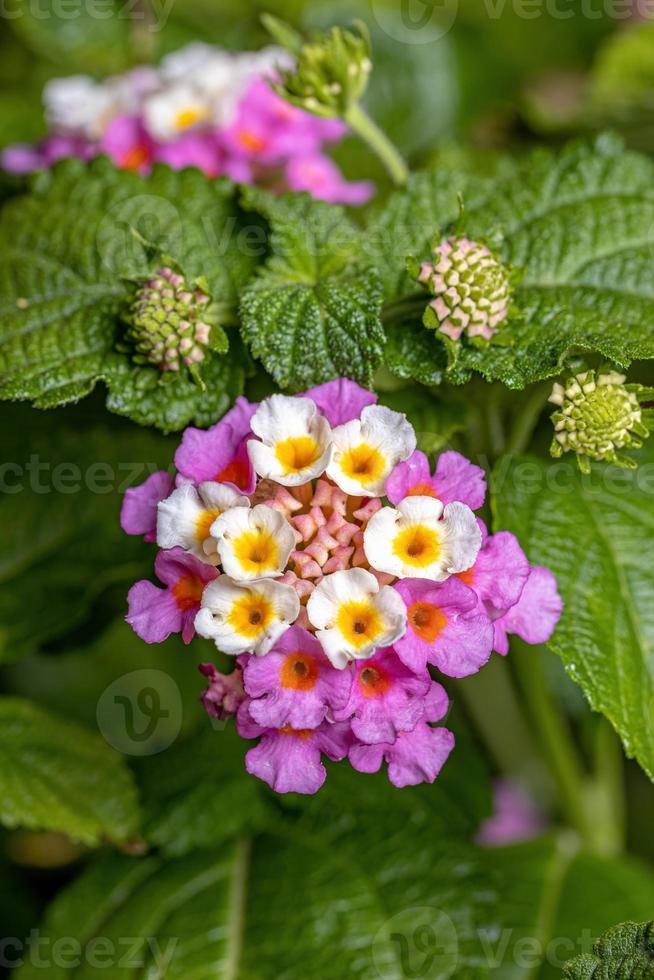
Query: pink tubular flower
[127, 144]
[456, 478]
[320, 176]
[219, 454]
[138, 514]
[192, 149]
[22, 158]
[155, 613]
[385, 698]
[341, 400]
[289, 759]
[535, 614]
[224, 693]
[500, 572]
[515, 818]
[295, 684]
[446, 627]
[414, 757]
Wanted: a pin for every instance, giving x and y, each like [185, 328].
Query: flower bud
[472, 289]
[165, 321]
[598, 414]
[331, 72]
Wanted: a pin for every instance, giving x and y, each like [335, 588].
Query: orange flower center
[136, 158]
[374, 682]
[421, 490]
[427, 620]
[188, 592]
[468, 576]
[235, 472]
[299, 671]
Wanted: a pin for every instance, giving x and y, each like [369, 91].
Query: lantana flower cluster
[310, 539]
[202, 107]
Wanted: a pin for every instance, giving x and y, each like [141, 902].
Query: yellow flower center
[297, 453]
[363, 463]
[257, 552]
[251, 615]
[359, 622]
[418, 545]
[204, 522]
[186, 118]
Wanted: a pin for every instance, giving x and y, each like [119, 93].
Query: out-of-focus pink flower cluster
[311, 540]
[202, 107]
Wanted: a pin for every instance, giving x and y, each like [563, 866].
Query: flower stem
[556, 741]
[360, 122]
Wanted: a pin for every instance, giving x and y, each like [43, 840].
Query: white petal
[353, 616]
[253, 543]
[365, 450]
[227, 606]
[462, 537]
[295, 442]
[173, 111]
[412, 541]
[185, 517]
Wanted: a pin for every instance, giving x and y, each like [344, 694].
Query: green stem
[526, 420]
[556, 740]
[360, 122]
[606, 792]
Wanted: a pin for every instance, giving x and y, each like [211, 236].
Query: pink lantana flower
[416, 756]
[456, 478]
[446, 627]
[138, 514]
[225, 692]
[499, 573]
[295, 684]
[219, 454]
[386, 698]
[515, 818]
[341, 401]
[535, 614]
[289, 759]
[155, 613]
[127, 144]
[320, 176]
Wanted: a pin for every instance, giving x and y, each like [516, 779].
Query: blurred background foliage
[480, 74]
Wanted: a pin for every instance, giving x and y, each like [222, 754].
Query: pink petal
[411, 475]
[138, 514]
[456, 478]
[219, 453]
[153, 613]
[534, 617]
[341, 400]
[288, 762]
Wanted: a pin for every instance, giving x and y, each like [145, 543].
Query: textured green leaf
[198, 794]
[70, 248]
[406, 223]
[56, 775]
[63, 477]
[312, 312]
[578, 225]
[361, 893]
[625, 951]
[595, 533]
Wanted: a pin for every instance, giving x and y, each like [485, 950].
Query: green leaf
[71, 247]
[312, 312]
[625, 951]
[389, 896]
[56, 775]
[407, 222]
[198, 794]
[578, 227]
[63, 478]
[436, 415]
[594, 532]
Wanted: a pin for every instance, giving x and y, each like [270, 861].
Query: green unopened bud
[598, 415]
[166, 325]
[331, 72]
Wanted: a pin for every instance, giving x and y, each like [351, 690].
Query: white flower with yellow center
[353, 615]
[253, 542]
[184, 519]
[422, 539]
[245, 617]
[365, 450]
[78, 104]
[295, 439]
[174, 111]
